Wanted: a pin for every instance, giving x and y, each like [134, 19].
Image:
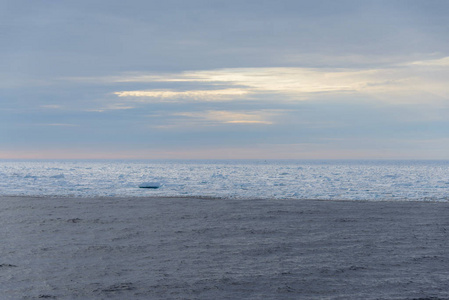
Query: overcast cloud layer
[224, 79]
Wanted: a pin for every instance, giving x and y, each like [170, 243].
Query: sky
[213, 79]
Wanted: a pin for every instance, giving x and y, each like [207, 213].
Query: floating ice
[242, 179]
[150, 185]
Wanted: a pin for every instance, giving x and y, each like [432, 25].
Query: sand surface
[189, 248]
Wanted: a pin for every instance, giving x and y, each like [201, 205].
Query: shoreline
[204, 248]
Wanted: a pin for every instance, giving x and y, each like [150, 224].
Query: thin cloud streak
[233, 117]
[206, 95]
[440, 62]
[60, 125]
[52, 106]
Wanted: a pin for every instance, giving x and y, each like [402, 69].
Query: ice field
[343, 180]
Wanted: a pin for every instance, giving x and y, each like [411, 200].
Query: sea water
[236, 179]
[133, 247]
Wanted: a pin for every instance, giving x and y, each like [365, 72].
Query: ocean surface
[234, 179]
[190, 248]
[92, 233]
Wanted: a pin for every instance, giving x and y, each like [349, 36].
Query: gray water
[189, 248]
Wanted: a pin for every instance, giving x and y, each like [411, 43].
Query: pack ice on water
[344, 180]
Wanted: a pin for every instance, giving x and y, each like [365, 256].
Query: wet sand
[190, 248]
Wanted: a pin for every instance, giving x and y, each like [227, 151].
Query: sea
[372, 180]
[234, 229]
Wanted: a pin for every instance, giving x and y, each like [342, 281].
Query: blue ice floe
[150, 185]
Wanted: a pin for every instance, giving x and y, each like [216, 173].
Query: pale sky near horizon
[285, 79]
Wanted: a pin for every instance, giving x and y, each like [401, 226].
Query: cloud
[441, 62]
[111, 106]
[286, 80]
[52, 106]
[213, 117]
[403, 83]
[300, 83]
[207, 95]
[60, 125]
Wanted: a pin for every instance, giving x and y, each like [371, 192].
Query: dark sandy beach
[190, 248]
